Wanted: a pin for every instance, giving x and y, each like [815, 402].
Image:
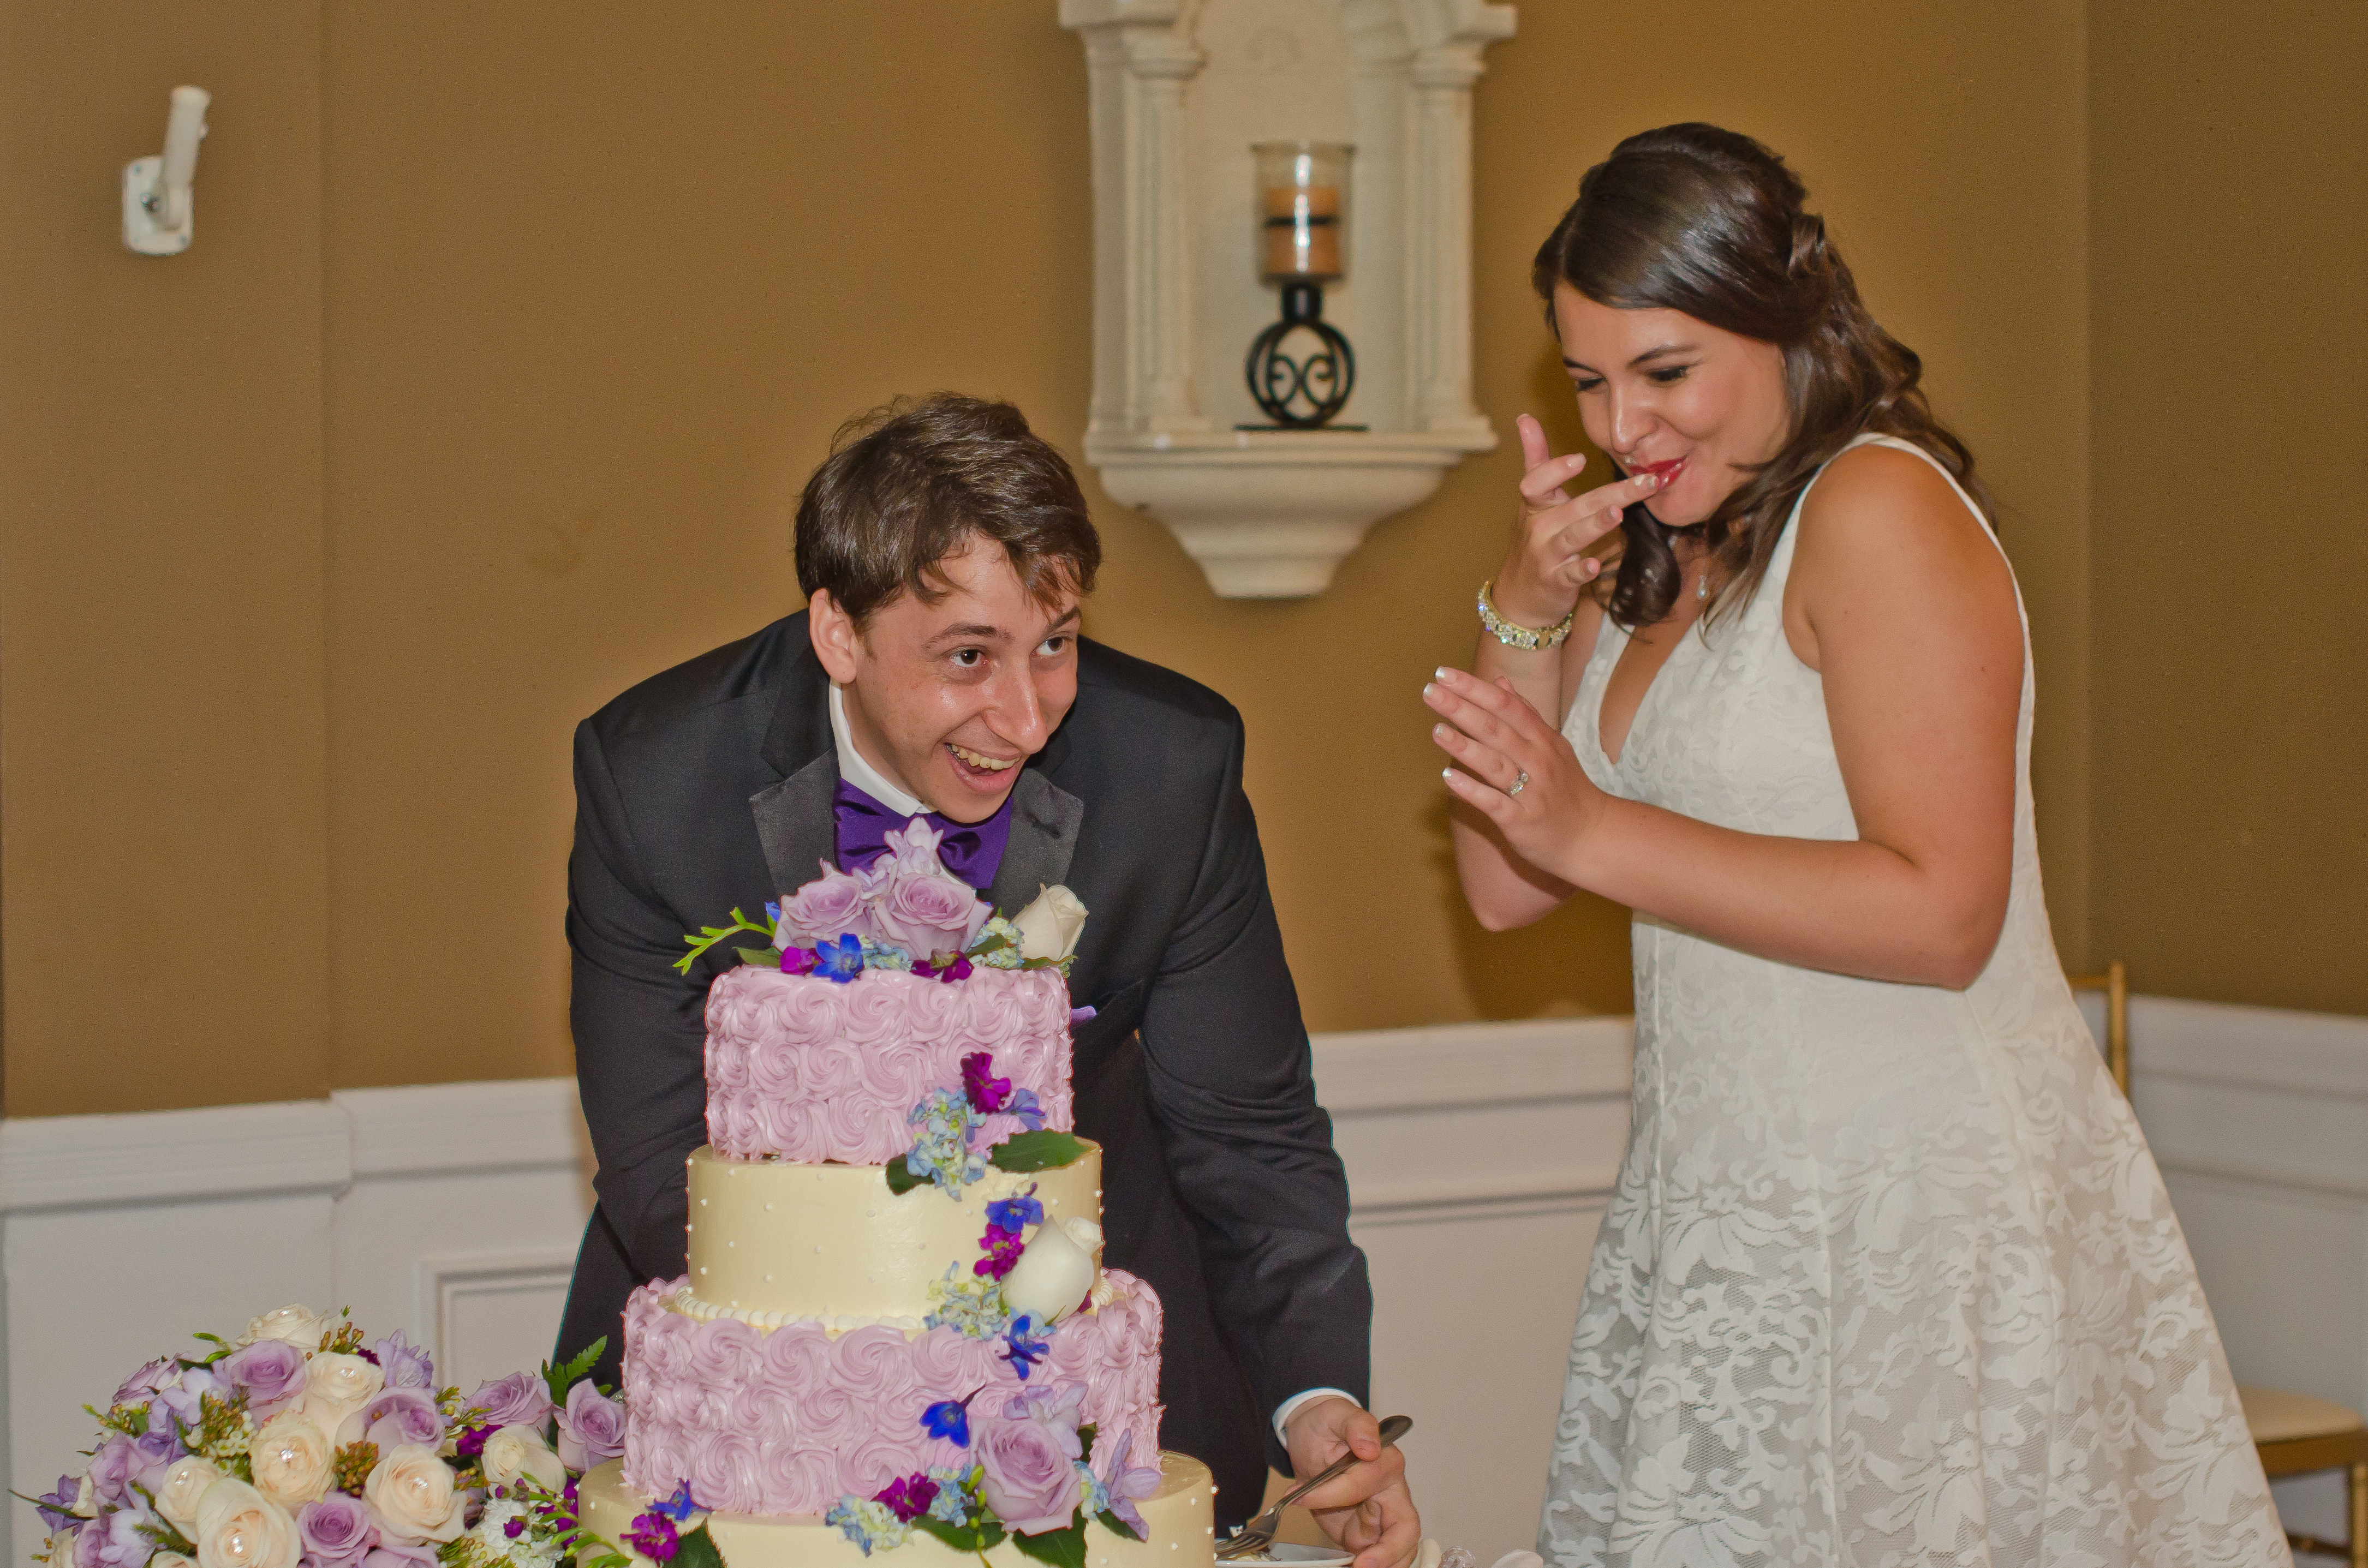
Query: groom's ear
[836, 636]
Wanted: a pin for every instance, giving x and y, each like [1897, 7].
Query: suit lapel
[1044, 822]
[795, 824]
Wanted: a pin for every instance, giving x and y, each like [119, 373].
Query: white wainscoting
[1480, 1157]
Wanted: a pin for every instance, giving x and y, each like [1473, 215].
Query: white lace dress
[1890, 1277]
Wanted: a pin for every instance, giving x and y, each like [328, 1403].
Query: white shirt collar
[860, 773]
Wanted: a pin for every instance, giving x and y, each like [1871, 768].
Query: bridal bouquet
[303, 1441]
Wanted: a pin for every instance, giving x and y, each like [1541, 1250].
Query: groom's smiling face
[948, 698]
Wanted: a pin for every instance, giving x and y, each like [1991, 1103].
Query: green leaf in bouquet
[901, 1179]
[559, 1379]
[1041, 1151]
[1064, 1548]
[697, 1549]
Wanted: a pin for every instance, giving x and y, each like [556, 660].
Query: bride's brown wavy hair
[1709, 223]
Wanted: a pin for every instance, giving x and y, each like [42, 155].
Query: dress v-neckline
[1643, 699]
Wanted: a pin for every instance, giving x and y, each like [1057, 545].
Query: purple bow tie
[973, 851]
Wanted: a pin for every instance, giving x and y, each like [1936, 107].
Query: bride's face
[1658, 387]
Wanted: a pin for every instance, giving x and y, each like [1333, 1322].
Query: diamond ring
[1520, 784]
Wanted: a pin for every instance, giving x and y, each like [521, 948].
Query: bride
[1890, 1275]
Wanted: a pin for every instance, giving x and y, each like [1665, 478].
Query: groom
[943, 549]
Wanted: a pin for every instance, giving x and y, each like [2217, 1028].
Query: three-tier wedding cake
[895, 1332]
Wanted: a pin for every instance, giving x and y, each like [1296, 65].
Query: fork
[1258, 1534]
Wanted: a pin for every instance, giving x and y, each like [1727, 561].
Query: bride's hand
[1517, 771]
[1548, 565]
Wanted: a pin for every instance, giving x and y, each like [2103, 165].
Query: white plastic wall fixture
[159, 207]
[1181, 89]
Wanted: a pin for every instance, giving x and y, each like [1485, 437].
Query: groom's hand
[1367, 1509]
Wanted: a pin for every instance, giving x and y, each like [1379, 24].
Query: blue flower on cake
[1022, 1346]
[942, 1153]
[970, 1303]
[872, 1525]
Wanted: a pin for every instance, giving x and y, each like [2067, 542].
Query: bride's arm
[1544, 575]
[1907, 612]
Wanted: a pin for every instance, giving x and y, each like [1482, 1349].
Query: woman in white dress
[1890, 1275]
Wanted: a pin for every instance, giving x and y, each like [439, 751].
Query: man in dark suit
[943, 549]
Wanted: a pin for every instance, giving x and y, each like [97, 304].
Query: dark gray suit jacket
[710, 785]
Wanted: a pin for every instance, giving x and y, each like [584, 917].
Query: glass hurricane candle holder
[1301, 370]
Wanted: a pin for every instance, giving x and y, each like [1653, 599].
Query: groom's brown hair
[908, 485]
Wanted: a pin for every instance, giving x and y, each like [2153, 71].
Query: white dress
[1890, 1275]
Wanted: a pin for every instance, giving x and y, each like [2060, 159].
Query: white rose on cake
[1055, 1272]
[1051, 925]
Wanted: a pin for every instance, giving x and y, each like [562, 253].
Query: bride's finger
[1542, 486]
[1482, 762]
[1493, 713]
[1494, 804]
[1534, 450]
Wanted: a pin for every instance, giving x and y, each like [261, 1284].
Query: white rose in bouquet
[1054, 1273]
[240, 1527]
[336, 1386]
[290, 1455]
[514, 1451]
[183, 1488]
[293, 1324]
[1050, 925]
[412, 1494]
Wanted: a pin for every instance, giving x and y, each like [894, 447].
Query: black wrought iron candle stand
[1301, 370]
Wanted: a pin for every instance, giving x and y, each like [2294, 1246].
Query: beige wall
[2230, 208]
[511, 333]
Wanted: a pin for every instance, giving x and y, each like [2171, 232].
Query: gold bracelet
[1528, 640]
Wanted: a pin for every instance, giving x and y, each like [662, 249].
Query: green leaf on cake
[711, 935]
[985, 1534]
[1041, 1151]
[697, 1549]
[1085, 1435]
[1118, 1527]
[1061, 1548]
[761, 958]
[901, 1179]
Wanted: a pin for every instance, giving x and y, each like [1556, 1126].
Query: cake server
[1258, 1534]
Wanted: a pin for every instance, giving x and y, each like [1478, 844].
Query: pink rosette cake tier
[804, 1068]
[791, 1420]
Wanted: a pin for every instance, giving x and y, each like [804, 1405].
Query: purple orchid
[1128, 1485]
[908, 1498]
[406, 1365]
[987, 1093]
[653, 1535]
[798, 961]
[1003, 1249]
[56, 1509]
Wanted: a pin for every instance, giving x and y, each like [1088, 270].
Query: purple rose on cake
[833, 905]
[927, 913]
[1030, 1455]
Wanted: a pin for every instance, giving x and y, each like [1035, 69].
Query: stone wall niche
[1181, 89]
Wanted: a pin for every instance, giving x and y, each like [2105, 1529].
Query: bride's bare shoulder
[1882, 523]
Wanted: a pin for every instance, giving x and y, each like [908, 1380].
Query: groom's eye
[1053, 647]
[969, 658]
